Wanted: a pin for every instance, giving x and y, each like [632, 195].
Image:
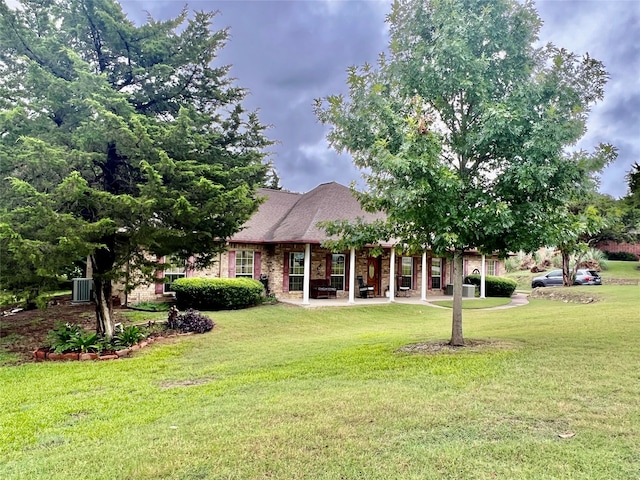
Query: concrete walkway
[517, 300]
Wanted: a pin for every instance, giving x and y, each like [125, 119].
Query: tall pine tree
[118, 141]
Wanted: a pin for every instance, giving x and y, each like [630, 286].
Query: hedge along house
[282, 245]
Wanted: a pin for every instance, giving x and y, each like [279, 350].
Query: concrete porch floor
[517, 300]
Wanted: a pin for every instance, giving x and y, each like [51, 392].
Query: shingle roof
[271, 212]
[287, 217]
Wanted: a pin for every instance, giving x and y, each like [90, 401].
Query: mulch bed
[23, 332]
[470, 345]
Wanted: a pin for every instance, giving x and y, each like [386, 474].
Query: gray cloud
[289, 52]
[608, 31]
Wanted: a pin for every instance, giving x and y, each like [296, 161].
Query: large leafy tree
[581, 221]
[592, 217]
[460, 129]
[120, 142]
[631, 201]
[614, 211]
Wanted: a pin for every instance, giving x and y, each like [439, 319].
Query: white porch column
[482, 268]
[423, 288]
[392, 276]
[352, 275]
[307, 274]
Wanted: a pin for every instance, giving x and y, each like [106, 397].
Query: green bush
[624, 256]
[217, 293]
[494, 286]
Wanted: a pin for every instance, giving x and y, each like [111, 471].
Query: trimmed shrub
[495, 286]
[217, 293]
[189, 321]
[624, 256]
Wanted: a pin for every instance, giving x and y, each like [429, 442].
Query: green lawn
[475, 303]
[289, 393]
[618, 269]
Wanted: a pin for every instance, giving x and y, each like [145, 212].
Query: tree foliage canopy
[631, 217]
[581, 221]
[461, 128]
[119, 140]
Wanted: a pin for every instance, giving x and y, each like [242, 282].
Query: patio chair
[363, 288]
[402, 287]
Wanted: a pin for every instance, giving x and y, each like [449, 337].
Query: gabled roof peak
[287, 217]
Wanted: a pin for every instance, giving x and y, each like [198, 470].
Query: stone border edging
[43, 355]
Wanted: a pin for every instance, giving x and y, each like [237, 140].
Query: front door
[373, 274]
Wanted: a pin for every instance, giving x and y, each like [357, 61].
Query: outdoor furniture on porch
[402, 286]
[321, 288]
[363, 288]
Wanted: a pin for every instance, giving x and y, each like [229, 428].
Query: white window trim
[172, 271]
[239, 256]
[344, 268]
[410, 276]
[292, 256]
[492, 266]
[436, 276]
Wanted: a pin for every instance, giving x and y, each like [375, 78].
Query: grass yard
[618, 269]
[289, 393]
[475, 303]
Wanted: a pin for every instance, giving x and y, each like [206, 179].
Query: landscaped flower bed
[69, 341]
[46, 353]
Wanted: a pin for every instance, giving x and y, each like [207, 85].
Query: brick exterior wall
[272, 264]
[474, 262]
[148, 292]
[619, 247]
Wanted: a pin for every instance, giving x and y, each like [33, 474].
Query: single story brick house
[282, 245]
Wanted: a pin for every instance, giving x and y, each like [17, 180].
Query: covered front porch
[342, 302]
[358, 275]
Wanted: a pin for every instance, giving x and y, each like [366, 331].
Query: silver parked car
[554, 278]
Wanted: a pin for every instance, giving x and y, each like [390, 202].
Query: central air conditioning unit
[82, 290]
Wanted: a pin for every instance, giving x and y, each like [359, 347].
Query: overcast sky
[289, 52]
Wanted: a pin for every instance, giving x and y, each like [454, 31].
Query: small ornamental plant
[86, 342]
[128, 336]
[60, 338]
[190, 321]
[70, 337]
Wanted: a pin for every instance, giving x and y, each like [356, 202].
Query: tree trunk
[567, 280]
[103, 262]
[104, 307]
[456, 325]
